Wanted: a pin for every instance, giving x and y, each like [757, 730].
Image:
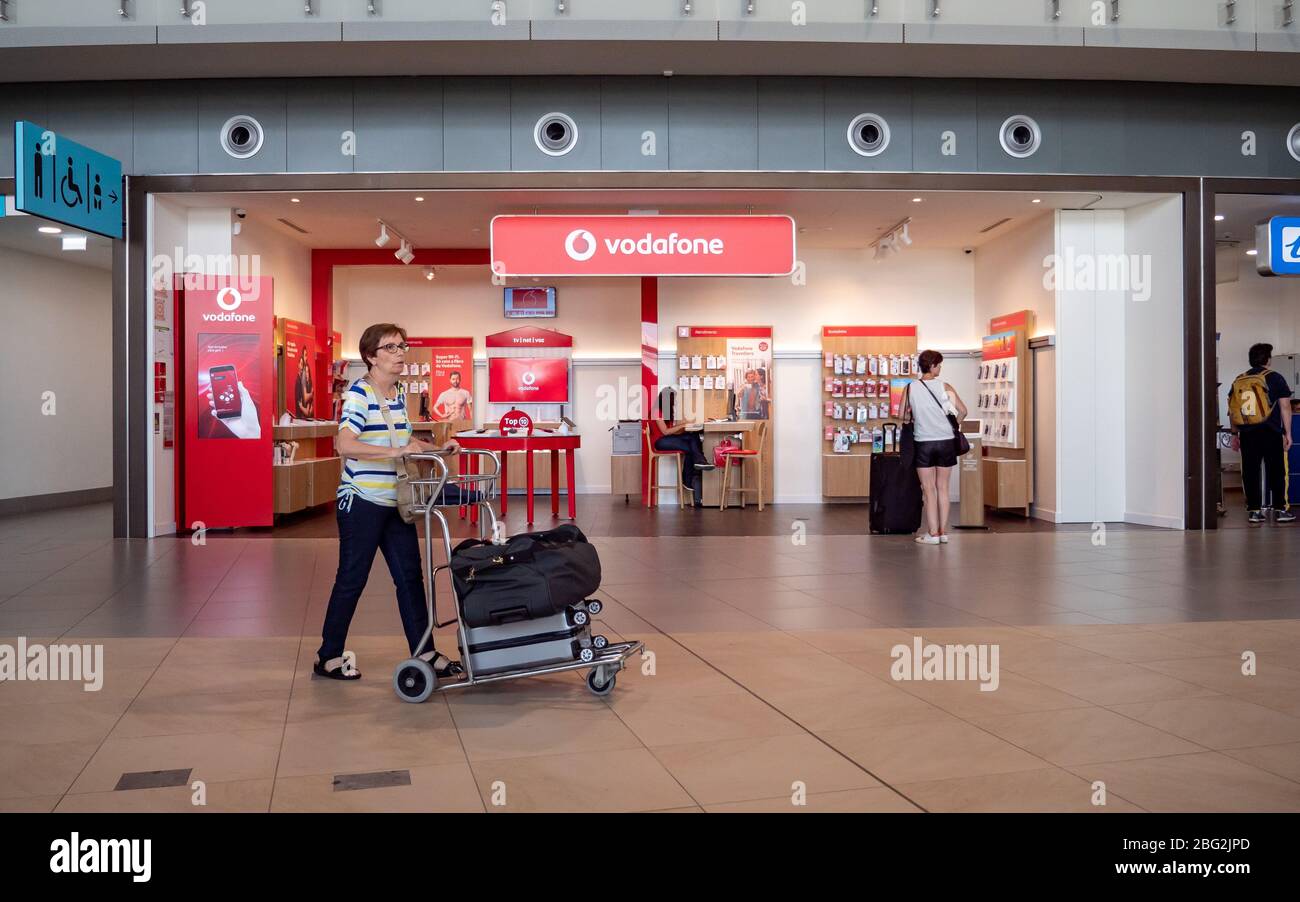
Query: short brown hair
[929, 360]
[370, 339]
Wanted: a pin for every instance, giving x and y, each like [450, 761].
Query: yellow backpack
[1248, 400]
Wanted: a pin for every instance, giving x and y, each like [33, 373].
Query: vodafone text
[581, 245]
[103, 856]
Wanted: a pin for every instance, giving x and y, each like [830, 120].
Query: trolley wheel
[414, 680]
[594, 606]
[580, 618]
[599, 642]
[586, 656]
[599, 686]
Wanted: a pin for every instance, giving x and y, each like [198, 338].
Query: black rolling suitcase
[895, 501]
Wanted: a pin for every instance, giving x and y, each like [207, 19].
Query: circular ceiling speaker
[868, 134]
[1020, 136]
[1293, 141]
[555, 134]
[241, 137]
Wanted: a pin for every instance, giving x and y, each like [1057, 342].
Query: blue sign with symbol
[67, 182]
[1278, 243]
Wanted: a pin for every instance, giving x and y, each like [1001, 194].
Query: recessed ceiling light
[1219, 217]
[419, 200]
[294, 200]
[1037, 200]
[74, 242]
[49, 230]
[917, 200]
[1252, 252]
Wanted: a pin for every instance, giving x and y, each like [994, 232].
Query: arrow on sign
[112, 195]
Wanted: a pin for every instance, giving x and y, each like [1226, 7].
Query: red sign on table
[643, 245]
[515, 420]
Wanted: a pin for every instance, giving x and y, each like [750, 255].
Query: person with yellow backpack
[1259, 411]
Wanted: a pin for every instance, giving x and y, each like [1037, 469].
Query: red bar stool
[739, 457]
[652, 495]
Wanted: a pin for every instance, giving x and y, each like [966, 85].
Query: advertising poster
[999, 346]
[299, 399]
[443, 387]
[226, 396]
[897, 388]
[749, 375]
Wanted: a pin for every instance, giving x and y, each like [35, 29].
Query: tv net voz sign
[643, 245]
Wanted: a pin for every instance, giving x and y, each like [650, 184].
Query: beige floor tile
[212, 757]
[41, 770]
[396, 736]
[845, 641]
[30, 805]
[736, 770]
[1068, 631]
[768, 642]
[1119, 682]
[876, 800]
[1038, 655]
[673, 721]
[243, 796]
[591, 781]
[80, 721]
[1083, 735]
[197, 650]
[118, 683]
[220, 712]
[1148, 645]
[1048, 790]
[1283, 760]
[434, 788]
[1224, 674]
[1216, 721]
[131, 652]
[765, 674]
[865, 705]
[675, 675]
[178, 678]
[930, 750]
[1014, 694]
[508, 727]
[808, 618]
[1234, 637]
[1203, 782]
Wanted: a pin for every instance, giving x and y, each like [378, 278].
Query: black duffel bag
[534, 574]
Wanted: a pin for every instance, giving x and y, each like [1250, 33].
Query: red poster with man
[228, 398]
[447, 389]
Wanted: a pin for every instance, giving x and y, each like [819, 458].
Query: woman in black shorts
[929, 401]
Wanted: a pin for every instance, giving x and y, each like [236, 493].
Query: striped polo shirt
[373, 480]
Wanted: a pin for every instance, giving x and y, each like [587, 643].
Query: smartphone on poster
[225, 392]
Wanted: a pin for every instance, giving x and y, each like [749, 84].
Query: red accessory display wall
[528, 380]
[226, 387]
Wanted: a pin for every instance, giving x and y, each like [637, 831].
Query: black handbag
[960, 444]
[533, 575]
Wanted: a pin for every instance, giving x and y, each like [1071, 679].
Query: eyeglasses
[393, 348]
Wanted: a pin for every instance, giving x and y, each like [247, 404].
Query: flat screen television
[528, 380]
[529, 302]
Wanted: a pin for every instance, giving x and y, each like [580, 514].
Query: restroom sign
[643, 245]
[66, 182]
[1278, 242]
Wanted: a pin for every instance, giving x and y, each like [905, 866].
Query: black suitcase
[532, 576]
[895, 501]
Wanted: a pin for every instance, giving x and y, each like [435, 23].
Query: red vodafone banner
[529, 337]
[643, 245]
[724, 332]
[227, 398]
[868, 331]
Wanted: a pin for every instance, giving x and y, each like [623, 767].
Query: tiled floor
[769, 689]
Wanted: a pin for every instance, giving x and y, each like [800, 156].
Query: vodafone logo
[529, 378]
[762, 346]
[571, 245]
[231, 293]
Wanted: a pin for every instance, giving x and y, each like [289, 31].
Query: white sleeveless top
[930, 414]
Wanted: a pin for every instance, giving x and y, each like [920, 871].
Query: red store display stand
[226, 401]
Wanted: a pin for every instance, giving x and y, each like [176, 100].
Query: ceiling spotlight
[405, 252]
[49, 230]
[1219, 217]
[905, 238]
[419, 200]
[1252, 252]
[383, 234]
[74, 242]
[917, 200]
[428, 273]
[294, 200]
[1037, 200]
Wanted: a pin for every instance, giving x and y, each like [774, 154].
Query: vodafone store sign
[643, 245]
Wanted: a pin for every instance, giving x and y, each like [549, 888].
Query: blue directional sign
[1278, 243]
[59, 179]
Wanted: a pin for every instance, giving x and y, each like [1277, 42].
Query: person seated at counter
[671, 435]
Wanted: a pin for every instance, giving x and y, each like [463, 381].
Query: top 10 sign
[643, 245]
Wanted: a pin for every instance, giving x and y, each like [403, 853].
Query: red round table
[539, 441]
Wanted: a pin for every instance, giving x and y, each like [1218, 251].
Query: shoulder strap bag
[960, 444]
[406, 468]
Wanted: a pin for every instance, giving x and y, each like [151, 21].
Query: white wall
[1009, 274]
[283, 259]
[1044, 362]
[1155, 425]
[56, 338]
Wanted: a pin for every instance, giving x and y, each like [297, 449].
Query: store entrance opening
[1058, 315]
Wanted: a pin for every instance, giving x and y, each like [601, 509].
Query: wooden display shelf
[846, 475]
[625, 474]
[305, 483]
[293, 433]
[1009, 466]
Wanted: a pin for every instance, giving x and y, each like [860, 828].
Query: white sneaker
[943, 539]
[927, 539]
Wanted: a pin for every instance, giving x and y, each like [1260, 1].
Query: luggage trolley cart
[414, 679]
